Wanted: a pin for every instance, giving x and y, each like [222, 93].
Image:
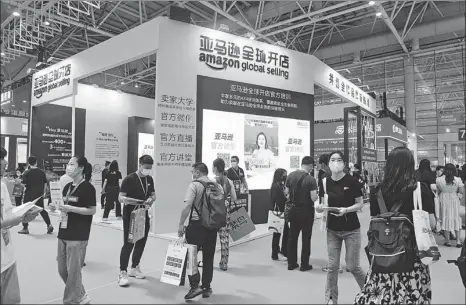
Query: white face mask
[71, 170]
[146, 172]
[336, 167]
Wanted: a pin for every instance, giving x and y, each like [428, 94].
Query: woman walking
[344, 200]
[278, 197]
[398, 185]
[112, 189]
[75, 227]
[230, 195]
[448, 187]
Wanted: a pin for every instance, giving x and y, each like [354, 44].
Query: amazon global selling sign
[219, 54]
[52, 80]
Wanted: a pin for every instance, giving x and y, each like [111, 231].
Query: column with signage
[360, 141]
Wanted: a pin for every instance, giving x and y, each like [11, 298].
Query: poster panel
[145, 144]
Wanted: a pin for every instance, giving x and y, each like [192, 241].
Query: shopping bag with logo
[18, 190]
[323, 221]
[276, 221]
[137, 224]
[174, 264]
[240, 224]
[426, 245]
[191, 259]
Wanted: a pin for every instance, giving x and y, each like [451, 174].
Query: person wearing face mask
[137, 189]
[79, 198]
[278, 197]
[236, 174]
[302, 189]
[344, 200]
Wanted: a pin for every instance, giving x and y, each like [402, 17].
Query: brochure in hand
[27, 207]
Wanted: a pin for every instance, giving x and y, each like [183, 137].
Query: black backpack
[460, 262]
[290, 205]
[392, 241]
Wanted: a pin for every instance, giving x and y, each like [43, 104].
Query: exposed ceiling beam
[109, 13]
[391, 26]
[20, 6]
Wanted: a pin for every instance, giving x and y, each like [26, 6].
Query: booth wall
[330, 112]
[179, 65]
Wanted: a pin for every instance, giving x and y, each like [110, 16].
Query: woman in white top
[262, 156]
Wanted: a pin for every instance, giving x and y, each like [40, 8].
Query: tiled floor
[252, 277]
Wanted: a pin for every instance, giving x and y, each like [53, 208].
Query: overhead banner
[51, 136]
[388, 128]
[265, 127]
[451, 117]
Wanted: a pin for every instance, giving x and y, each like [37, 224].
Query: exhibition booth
[217, 95]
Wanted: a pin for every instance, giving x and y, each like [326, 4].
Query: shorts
[10, 286]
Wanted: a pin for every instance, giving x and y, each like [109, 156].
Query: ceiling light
[95, 86]
[378, 14]
[250, 35]
[16, 14]
[25, 102]
[371, 2]
[122, 83]
[413, 134]
[136, 85]
[447, 130]
[46, 22]
[2, 54]
[224, 28]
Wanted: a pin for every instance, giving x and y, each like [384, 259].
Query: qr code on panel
[225, 157]
[294, 161]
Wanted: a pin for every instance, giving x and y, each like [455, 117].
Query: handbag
[427, 247]
[276, 220]
[137, 224]
[174, 268]
[290, 205]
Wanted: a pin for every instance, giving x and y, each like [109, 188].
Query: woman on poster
[262, 157]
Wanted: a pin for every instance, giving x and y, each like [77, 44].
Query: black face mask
[283, 179]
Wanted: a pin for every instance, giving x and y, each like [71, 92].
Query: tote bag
[276, 221]
[427, 247]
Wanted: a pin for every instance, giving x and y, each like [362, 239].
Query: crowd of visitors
[337, 195]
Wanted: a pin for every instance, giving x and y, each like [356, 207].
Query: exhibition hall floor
[252, 276]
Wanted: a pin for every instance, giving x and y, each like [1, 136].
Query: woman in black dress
[112, 189]
[278, 199]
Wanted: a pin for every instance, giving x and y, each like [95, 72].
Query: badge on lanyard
[64, 215]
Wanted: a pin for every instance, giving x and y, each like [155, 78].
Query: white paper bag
[426, 245]
[276, 221]
[174, 264]
[191, 259]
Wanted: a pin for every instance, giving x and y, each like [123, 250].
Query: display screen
[262, 143]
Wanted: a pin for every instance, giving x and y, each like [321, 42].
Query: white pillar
[410, 107]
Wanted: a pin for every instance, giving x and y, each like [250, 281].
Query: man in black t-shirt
[236, 174]
[35, 182]
[104, 175]
[136, 189]
[302, 218]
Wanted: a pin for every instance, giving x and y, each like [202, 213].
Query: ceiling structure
[341, 33]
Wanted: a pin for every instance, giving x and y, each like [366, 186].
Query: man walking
[104, 176]
[137, 189]
[236, 174]
[35, 182]
[303, 192]
[196, 233]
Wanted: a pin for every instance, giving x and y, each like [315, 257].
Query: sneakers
[275, 256]
[136, 272]
[194, 292]
[325, 269]
[24, 231]
[282, 257]
[85, 300]
[305, 268]
[123, 279]
[49, 229]
[293, 267]
[206, 292]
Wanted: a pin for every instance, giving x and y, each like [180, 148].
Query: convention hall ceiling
[337, 32]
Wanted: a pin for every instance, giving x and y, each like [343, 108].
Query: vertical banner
[106, 140]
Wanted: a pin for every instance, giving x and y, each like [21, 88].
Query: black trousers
[18, 201]
[102, 200]
[127, 246]
[112, 201]
[276, 241]
[44, 214]
[302, 222]
[206, 240]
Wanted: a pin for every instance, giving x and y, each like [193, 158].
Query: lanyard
[237, 173]
[72, 192]
[145, 189]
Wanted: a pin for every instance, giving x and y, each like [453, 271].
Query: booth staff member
[104, 176]
[236, 174]
[136, 186]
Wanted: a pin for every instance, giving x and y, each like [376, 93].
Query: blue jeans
[70, 258]
[352, 241]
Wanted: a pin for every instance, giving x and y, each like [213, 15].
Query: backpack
[392, 242]
[461, 263]
[290, 205]
[213, 211]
